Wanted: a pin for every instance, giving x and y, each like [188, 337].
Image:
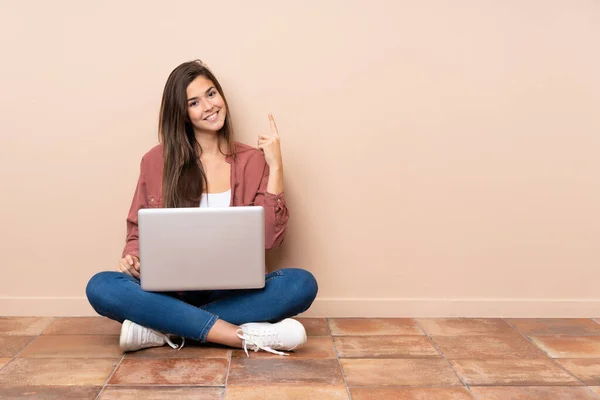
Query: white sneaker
[288, 334]
[135, 337]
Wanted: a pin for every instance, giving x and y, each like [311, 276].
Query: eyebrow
[196, 98]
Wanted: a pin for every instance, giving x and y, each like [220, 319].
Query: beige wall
[441, 156]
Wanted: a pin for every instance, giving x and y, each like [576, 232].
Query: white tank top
[214, 200]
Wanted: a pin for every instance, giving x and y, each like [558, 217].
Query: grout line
[54, 319]
[31, 341]
[110, 376]
[444, 357]
[19, 352]
[337, 356]
[23, 348]
[549, 356]
[227, 375]
[424, 386]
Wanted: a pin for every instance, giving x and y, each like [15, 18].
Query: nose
[206, 104]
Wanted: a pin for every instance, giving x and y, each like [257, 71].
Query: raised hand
[270, 146]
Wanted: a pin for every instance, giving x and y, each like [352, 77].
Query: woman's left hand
[269, 144]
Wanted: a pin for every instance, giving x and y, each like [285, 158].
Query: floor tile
[56, 372]
[73, 346]
[11, 345]
[398, 372]
[385, 347]
[83, 326]
[150, 371]
[512, 372]
[595, 389]
[316, 347]
[50, 392]
[161, 392]
[308, 392]
[373, 326]
[191, 351]
[24, 326]
[569, 347]
[532, 393]
[587, 370]
[410, 394]
[283, 371]
[556, 326]
[4, 361]
[465, 326]
[486, 347]
[315, 326]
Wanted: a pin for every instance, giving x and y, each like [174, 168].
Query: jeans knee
[303, 285]
[97, 289]
[311, 288]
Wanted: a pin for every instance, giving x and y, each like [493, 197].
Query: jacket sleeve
[139, 201]
[276, 212]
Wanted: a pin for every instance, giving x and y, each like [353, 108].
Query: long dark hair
[184, 178]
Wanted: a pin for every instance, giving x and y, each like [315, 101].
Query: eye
[193, 103]
[212, 93]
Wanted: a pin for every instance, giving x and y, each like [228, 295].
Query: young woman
[199, 164]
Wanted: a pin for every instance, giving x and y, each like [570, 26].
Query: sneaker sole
[125, 332]
[304, 338]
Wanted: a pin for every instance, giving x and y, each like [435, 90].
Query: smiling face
[205, 106]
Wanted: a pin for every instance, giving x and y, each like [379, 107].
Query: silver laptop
[202, 248]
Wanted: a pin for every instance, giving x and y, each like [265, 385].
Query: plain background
[441, 157]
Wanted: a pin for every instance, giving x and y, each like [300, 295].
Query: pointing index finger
[273, 125]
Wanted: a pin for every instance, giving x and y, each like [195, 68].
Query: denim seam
[277, 273]
[209, 324]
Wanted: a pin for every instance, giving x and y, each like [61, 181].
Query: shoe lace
[152, 336]
[263, 341]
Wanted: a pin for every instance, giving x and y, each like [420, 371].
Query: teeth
[211, 117]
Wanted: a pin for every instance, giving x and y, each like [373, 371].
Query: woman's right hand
[130, 265]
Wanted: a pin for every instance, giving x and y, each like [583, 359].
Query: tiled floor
[405, 359]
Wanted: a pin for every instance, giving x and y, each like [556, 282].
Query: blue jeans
[118, 296]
